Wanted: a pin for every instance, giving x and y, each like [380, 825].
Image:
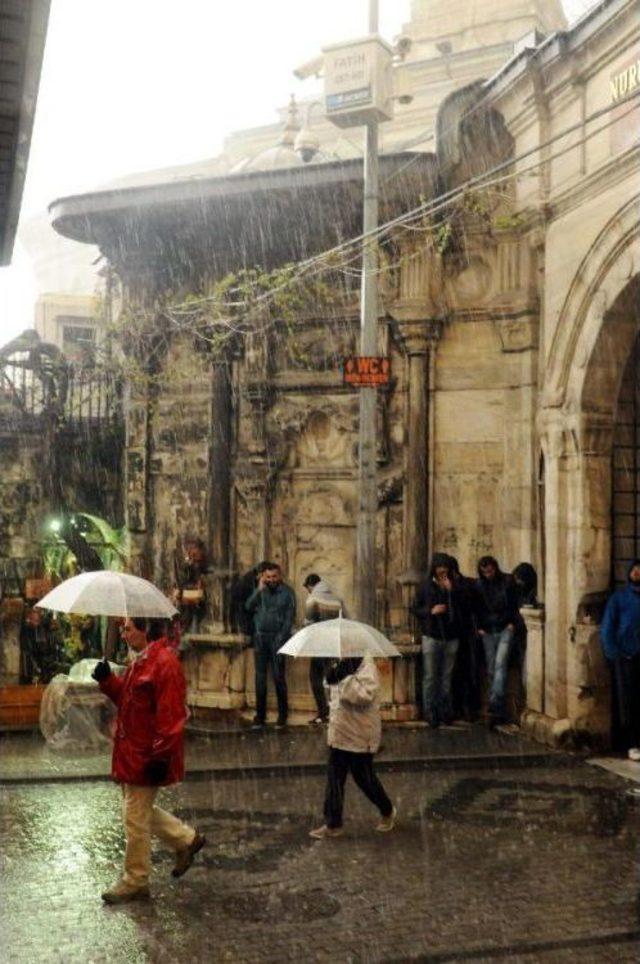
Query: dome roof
[272, 159]
[282, 154]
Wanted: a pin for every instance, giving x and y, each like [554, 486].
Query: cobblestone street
[503, 862]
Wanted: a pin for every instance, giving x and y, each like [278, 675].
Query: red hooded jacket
[151, 701]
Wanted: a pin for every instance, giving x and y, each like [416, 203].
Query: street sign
[366, 371]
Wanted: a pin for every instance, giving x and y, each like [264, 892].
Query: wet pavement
[489, 862]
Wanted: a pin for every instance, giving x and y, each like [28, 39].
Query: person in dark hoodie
[620, 635]
[497, 615]
[465, 688]
[437, 607]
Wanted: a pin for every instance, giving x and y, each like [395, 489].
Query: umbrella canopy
[106, 593]
[339, 639]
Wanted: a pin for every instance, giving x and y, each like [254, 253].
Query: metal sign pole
[368, 491]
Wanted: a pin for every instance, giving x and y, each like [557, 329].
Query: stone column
[220, 576]
[418, 339]
[255, 468]
[220, 465]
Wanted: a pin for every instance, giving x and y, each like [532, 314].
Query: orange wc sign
[366, 371]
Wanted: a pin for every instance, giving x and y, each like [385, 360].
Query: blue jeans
[497, 648]
[438, 660]
[265, 656]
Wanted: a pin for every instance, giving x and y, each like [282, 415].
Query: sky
[129, 85]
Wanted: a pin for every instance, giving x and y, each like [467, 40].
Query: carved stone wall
[178, 452]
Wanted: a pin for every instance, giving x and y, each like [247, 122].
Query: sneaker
[634, 753]
[121, 893]
[386, 824]
[321, 832]
[257, 724]
[280, 724]
[319, 721]
[184, 858]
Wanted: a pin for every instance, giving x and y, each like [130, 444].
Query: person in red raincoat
[148, 753]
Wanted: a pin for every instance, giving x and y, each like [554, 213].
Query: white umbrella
[105, 593]
[339, 639]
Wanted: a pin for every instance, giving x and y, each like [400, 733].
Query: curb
[260, 770]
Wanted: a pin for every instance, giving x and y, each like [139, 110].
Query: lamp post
[358, 92]
[367, 481]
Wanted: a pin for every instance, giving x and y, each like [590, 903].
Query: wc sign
[366, 371]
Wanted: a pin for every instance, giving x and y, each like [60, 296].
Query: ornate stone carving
[420, 288]
[322, 443]
[472, 285]
[417, 336]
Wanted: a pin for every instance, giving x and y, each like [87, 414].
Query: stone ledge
[215, 640]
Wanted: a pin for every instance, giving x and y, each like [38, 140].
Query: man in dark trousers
[465, 690]
[498, 616]
[620, 634]
[321, 603]
[437, 607]
[272, 605]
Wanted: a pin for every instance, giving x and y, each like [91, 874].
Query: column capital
[417, 336]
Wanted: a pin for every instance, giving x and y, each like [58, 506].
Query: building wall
[585, 199]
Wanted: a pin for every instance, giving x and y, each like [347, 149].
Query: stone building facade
[511, 423]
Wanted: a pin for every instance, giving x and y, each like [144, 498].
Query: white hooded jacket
[322, 603]
[354, 711]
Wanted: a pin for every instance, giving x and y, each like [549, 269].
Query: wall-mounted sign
[625, 115]
[625, 81]
[357, 81]
[366, 371]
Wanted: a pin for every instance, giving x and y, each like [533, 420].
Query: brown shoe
[385, 824]
[184, 858]
[121, 893]
[321, 832]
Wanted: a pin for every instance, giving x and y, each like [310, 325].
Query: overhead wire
[351, 249]
[318, 264]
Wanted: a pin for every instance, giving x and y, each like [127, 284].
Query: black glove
[340, 670]
[102, 671]
[156, 771]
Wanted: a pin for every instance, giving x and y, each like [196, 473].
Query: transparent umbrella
[105, 593]
[339, 639]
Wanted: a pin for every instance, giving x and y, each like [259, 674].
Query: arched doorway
[625, 529]
[589, 422]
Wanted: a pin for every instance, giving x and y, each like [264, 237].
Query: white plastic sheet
[74, 713]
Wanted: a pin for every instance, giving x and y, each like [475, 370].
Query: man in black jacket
[465, 687]
[272, 605]
[437, 607]
[498, 615]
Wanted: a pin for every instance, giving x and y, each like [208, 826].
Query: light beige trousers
[142, 819]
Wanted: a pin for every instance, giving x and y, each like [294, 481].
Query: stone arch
[595, 334]
[603, 274]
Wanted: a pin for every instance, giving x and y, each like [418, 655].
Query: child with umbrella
[354, 713]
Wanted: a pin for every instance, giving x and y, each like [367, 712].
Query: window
[78, 341]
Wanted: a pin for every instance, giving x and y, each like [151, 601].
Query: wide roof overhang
[260, 217]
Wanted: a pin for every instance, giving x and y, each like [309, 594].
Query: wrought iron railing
[75, 395]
